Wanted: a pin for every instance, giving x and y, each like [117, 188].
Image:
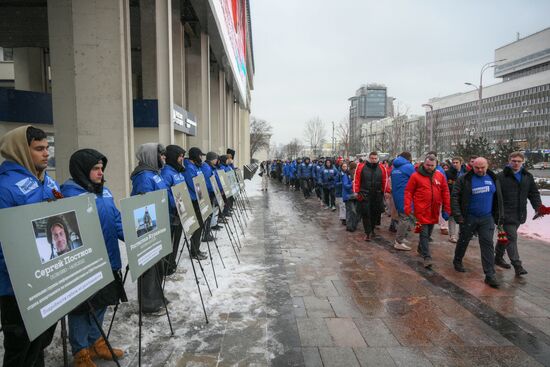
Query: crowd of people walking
[465, 199]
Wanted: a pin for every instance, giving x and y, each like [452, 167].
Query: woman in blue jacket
[349, 199]
[87, 167]
[146, 178]
[328, 180]
[338, 193]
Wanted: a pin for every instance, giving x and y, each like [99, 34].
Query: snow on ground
[240, 296]
[537, 229]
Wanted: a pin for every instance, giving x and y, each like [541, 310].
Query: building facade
[113, 74]
[518, 108]
[394, 135]
[370, 103]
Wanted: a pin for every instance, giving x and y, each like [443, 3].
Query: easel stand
[91, 311]
[230, 235]
[64, 341]
[212, 263]
[195, 273]
[96, 321]
[118, 303]
[140, 310]
[235, 228]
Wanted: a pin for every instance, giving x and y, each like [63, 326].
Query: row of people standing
[25, 150]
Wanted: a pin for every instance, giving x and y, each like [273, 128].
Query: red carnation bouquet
[502, 235]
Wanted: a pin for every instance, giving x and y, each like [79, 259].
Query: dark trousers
[370, 210]
[151, 291]
[319, 191]
[511, 247]
[296, 184]
[19, 351]
[329, 197]
[306, 186]
[424, 240]
[485, 228]
[170, 260]
[351, 215]
[196, 237]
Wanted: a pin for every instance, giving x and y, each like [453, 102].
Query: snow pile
[537, 229]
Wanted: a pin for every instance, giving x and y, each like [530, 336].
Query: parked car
[541, 165]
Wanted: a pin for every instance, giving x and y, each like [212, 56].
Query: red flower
[57, 194]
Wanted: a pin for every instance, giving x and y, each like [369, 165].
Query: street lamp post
[431, 124]
[479, 89]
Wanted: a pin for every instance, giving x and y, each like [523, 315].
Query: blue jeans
[485, 228]
[83, 331]
[424, 243]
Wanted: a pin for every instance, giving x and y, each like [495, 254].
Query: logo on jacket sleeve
[157, 178]
[51, 183]
[27, 185]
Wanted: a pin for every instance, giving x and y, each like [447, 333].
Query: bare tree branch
[260, 135]
[293, 148]
[315, 135]
[343, 136]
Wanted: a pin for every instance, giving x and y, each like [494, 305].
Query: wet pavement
[342, 301]
[308, 293]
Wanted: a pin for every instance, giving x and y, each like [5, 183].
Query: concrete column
[198, 88]
[216, 121]
[246, 137]
[91, 84]
[29, 69]
[164, 70]
[178, 69]
[223, 110]
[147, 17]
[157, 65]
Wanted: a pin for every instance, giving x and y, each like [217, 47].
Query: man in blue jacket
[172, 173]
[193, 169]
[304, 176]
[87, 167]
[208, 169]
[400, 175]
[23, 180]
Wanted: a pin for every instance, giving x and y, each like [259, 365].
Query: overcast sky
[312, 55]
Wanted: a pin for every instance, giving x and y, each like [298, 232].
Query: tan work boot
[100, 350]
[83, 359]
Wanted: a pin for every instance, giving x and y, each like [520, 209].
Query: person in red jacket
[428, 193]
[370, 184]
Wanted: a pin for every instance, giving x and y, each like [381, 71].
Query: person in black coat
[518, 185]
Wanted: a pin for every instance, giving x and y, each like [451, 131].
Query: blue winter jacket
[18, 186]
[400, 175]
[148, 181]
[109, 218]
[304, 170]
[329, 177]
[191, 170]
[228, 168]
[171, 176]
[338, 184]
[207, 172]
[292, 170]
[347, 191]
[318, 175]
[285, 169]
